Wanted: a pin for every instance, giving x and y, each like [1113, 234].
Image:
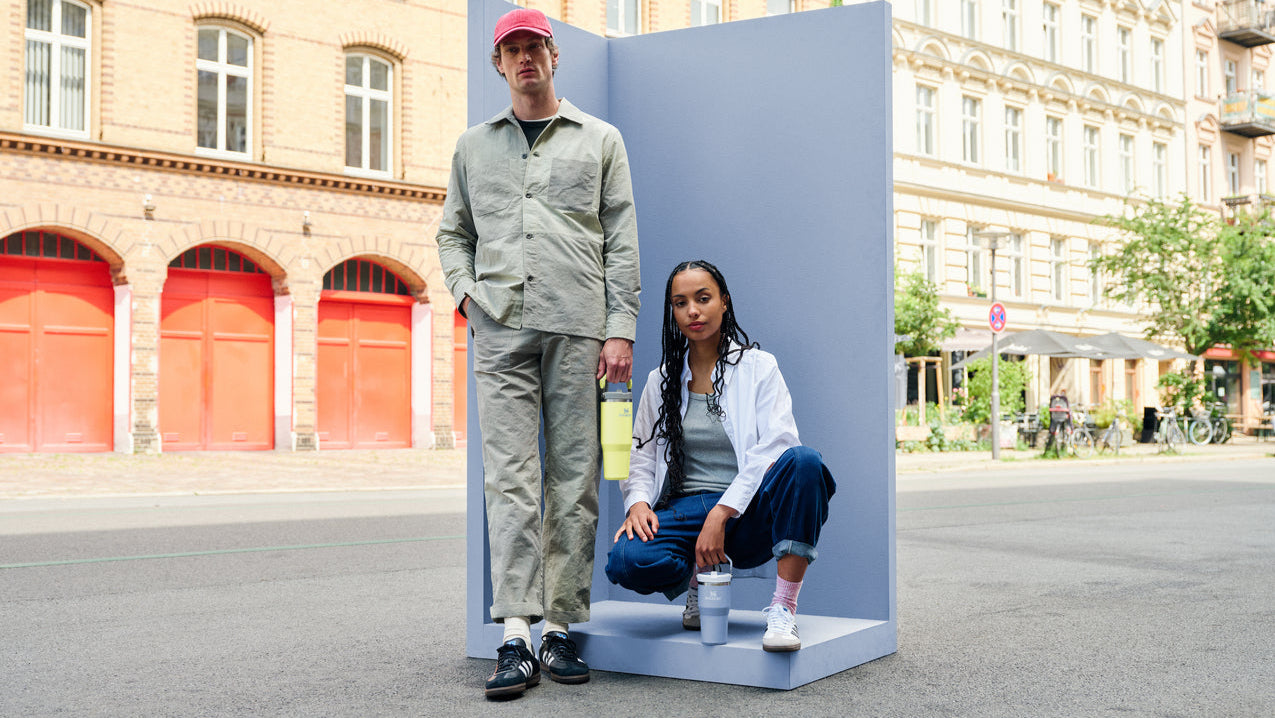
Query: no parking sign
[996, 317]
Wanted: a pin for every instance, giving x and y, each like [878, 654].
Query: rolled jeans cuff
[788, 547]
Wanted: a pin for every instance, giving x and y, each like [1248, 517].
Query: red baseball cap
[522, 19]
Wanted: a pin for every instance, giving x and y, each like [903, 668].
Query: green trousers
[541, 564]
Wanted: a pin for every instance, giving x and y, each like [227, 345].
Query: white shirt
[758, 422]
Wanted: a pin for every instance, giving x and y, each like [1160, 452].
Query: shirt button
[528, 235]
[528, 195]
[529, 278]
[524, 155]
[536, 154]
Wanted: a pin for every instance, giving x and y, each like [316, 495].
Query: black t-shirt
[532, 129]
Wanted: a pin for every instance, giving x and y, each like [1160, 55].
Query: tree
[1204, 282]
[1013, 379]
[918, 316]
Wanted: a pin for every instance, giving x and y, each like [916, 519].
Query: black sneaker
[558, 658]
[516, 670]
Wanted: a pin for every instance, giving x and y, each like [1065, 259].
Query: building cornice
[210, 167]
[975, 199]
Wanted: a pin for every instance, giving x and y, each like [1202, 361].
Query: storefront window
[1268, 387]
[1222, 381]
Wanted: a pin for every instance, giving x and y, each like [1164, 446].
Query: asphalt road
[1068, 590]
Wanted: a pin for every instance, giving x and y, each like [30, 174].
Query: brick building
[217, 222]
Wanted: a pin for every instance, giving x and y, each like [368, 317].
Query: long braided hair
[673, 347]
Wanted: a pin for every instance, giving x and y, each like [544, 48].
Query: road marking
[1085, 498]
[222, 552]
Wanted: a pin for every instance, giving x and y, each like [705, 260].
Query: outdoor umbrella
[1034, 341]
[1125, 347]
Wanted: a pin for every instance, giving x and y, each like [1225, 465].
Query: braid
[673, 347]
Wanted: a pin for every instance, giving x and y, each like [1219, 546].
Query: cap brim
[512, 30]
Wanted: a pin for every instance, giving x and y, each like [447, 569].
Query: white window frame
[1049, 27]
[1095, 276]
[1092, 154]
[1015, 252]
[704, 6]
[925, 120]
[367, 94]
[1201, 73]
[1259, 176]
[1124, 37]
[1259, 80]
[925, 12]
[1009, 24]
[929, 254]
[1054, 146]
[57, 42]
[222, 68]
[1089, 43]
[1233, 173]
[621, 27]
[1206, 172]
[1127, 176]
[976, 270]
[969, 19]
[1230, 77]
[1157, 64]
[1013, 139]
[1058, 269]
[1159, 160]
[971, 109]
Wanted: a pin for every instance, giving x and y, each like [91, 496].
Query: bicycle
[1071, 436]
[1111, 437]
[1209, 425]
[1169, 435]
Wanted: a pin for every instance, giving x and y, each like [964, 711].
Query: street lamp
[993, 243]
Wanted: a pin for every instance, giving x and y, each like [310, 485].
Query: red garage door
[57, 311]
[216, 353]
[365, 360]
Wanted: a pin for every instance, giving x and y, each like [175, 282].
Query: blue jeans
[784, 518]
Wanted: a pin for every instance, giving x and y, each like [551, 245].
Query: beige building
[217, 221]
[1230, 131]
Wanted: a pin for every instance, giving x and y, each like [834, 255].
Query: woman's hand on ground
[641, 521]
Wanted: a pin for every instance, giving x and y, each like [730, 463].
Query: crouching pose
[716, 468]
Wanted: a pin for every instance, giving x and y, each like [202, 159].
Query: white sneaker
[781, 630]
[690, 614]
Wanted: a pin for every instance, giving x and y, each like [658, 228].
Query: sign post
[996, 320]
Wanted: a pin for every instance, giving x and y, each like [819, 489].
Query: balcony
[1249, 113]
[1246, 22]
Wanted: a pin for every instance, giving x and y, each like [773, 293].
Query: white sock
[550, 627]
[517, 627]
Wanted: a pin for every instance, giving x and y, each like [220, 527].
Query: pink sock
[786, 593]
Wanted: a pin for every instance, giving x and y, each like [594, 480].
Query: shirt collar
[566, 111]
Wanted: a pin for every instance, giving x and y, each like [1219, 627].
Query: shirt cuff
[463, 289]
[621, 326]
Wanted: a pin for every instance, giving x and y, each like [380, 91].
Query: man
[538, 244]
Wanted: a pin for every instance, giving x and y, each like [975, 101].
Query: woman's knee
[808, 470]
[642, 567]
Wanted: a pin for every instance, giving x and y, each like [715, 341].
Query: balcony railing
[1246, 22]
[1249, 113]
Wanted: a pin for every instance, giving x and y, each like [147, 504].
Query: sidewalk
[227, 472]
[1239, 447]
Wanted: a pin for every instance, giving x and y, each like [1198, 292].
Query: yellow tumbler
[617, 430]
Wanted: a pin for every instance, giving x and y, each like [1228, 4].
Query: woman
[716, 468]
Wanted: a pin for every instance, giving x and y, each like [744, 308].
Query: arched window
[58, 39]
[217, 259]
[360, 275]
[369, 104]
[223, 71]
[48, 245]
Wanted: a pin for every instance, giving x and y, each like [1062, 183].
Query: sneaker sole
[556, 678]
[516, 689]
[781, 649]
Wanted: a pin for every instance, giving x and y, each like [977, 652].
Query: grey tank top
[710, 459]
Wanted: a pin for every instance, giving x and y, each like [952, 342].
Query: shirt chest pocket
[573, 185]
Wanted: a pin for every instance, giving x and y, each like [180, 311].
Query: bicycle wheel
[1199, 431]
[1175, 438]
[1221, 430]
[1082, 443]
[1110, 440]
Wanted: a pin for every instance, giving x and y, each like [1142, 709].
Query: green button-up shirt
[544, 237]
